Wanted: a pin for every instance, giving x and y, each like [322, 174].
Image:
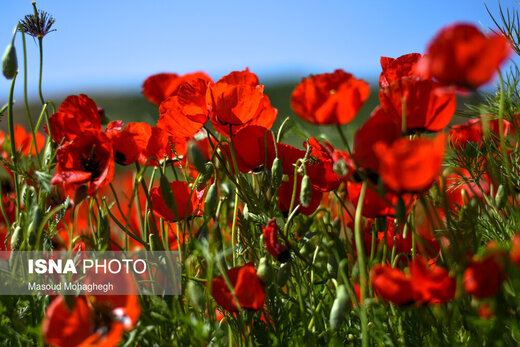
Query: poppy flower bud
[196, 157]
[501, 197]
[9, 62]
[205, 175]
[167, 192]
[264, 271]
[32, 230]
[17, 238]
[210, 205]
[155, 243]
[277, 173]
[283, 274]
[196, 295]
[339, 307]
[306, 191]
[332, 266]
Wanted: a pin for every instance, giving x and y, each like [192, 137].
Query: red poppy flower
[482, 278]
[410, 165]
[380, 126]
[402, 245]
[472, 131]
[247, 287]
[240, 77]
[184, 113]
[288, 154]
[394, 69]
[157, 88]
[24, 141]
[88, 159]
[187, 203]
[374, 205]
[163, 146]
[462, 180]
[515, 249]
[461, 55]
[329, 98]
[285, 194]
[320, 167]
[238, 105]
[94, 325]
[279, 251]
[431, 284]
[392, 285]
[130, 143]
[250, 148]
[76, 115]
[428, 105]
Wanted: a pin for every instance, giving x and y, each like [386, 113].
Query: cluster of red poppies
[385, 178]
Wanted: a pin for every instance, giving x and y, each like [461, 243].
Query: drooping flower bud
[9, 62]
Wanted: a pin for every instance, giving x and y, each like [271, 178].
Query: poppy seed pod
[9, 62]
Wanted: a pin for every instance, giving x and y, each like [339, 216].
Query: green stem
[13, 142]
[361, 263]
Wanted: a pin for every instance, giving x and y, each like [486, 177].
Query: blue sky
[114, 45]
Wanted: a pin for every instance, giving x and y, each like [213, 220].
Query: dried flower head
[37, 24]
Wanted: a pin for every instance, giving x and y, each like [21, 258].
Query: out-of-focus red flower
[279, 251]
[483, 277]
[394, 69]
[238, 104]
[410, 165]
[485, 311]
[285, 195]
[24, 141]
[329, 98]
[158, 87]
[250, 148]
[90, 324]
[163, 146]
[374, 205]
[88, 159]
[76, 115]
[320, 167]
[247, 287]
[431, 284]
[187, 203]
[184, 113]
[380, 126]
[425, 284]
[130, 143]
[428, 105]
[461, 55]
[392, 285]
[515, 249]
[462, 180]
[472, 131]
[240, 77]
[402, 245]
